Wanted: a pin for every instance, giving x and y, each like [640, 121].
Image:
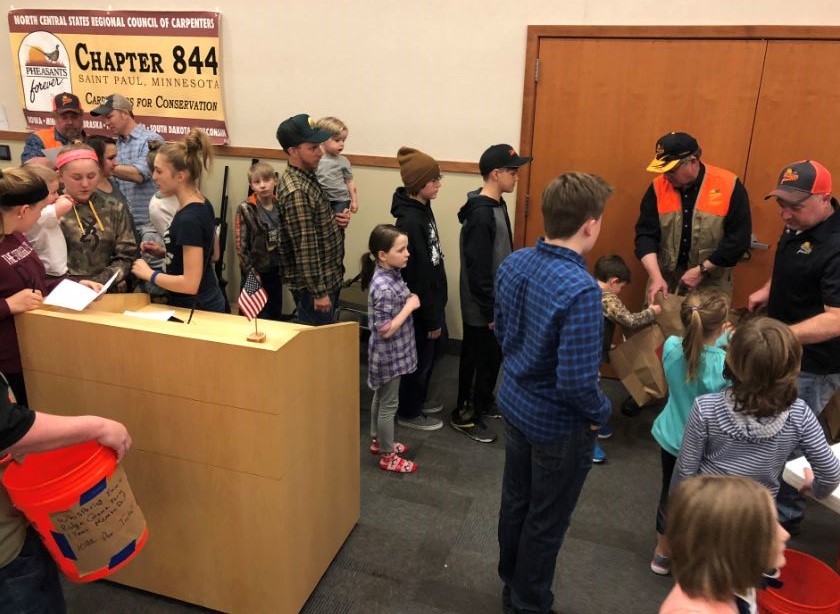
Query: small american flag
[252, 298]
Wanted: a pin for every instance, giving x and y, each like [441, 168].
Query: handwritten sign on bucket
[105, 522]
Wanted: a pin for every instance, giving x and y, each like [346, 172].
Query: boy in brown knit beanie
[425, 276]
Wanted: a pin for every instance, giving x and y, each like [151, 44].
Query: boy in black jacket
[485, 241]
[425, 276]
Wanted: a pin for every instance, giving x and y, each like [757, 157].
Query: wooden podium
[246, 456]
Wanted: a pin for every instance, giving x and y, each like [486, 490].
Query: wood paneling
[601, 105]
[793, 117]
[807, 33]
[796, 119]
[244, 506]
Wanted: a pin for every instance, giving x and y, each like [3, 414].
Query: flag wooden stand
[251, 301]
[256, 336]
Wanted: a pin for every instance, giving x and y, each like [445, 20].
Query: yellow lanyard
[79, 220]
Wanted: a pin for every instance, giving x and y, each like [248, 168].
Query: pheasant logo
[39, 57]
[44, 69]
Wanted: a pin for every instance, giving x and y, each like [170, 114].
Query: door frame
[537, 33]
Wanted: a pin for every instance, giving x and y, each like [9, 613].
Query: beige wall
[375, 187]
[443, 76]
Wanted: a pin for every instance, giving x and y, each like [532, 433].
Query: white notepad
[73, 295]
[794, 475]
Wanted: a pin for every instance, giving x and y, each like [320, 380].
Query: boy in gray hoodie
[485, 241]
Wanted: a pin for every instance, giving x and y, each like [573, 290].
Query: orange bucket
[810, 587]
[79, 500]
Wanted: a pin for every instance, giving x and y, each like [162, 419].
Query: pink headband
[75, 154]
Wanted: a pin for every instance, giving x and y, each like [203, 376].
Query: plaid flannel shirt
[311, 245]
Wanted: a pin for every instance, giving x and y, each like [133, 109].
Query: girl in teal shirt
[693, 366]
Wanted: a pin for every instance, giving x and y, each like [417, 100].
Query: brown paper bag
[638, 364]
[830, 416]
[669, 319]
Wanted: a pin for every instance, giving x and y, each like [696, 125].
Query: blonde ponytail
[702, 313]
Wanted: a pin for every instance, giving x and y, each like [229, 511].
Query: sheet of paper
[73, 295]
[107, 285]
[163, 316]
[70, 295]
[794, 475]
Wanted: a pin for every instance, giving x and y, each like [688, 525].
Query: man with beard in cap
[67, 111]
[694, 222]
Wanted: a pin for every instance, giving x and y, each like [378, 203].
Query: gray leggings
[386, 399]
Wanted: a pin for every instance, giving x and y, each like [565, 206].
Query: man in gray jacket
[485, 241]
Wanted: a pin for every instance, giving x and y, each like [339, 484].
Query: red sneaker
[398, 447]
[397, 464]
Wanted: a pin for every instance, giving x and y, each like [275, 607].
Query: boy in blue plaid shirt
[549, 324]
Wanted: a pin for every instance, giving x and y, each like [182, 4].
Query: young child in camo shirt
[612, 274]
[334, 172]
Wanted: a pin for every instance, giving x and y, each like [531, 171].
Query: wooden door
[601, 104]
[796, 118]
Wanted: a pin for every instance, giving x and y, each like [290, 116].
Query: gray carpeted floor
[426, 542]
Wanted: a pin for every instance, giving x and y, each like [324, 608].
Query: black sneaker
[475, 431]
[493, 412]
[630, 408]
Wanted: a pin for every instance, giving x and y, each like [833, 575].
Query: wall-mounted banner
[166, 63]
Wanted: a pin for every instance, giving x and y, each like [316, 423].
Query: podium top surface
[205, 326]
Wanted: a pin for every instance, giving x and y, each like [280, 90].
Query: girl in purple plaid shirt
[391, 350]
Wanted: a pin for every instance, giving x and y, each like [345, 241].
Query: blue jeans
[540, 489]
[414, 387]
[815, 390]
[30, 583]
[306, 313]
[339, 205]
